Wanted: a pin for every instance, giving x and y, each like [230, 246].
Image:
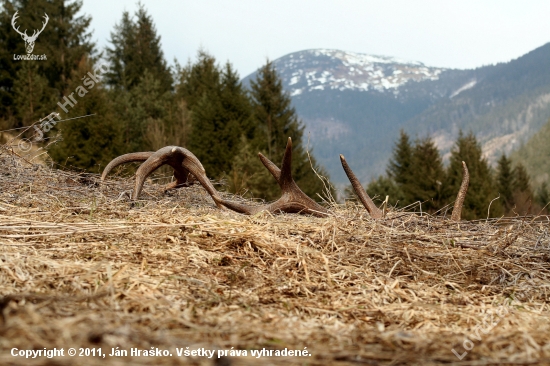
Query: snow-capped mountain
[355, 104]
[323, 69]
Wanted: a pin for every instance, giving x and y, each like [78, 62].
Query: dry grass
[81, 267]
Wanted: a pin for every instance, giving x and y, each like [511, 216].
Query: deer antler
[182, 175]
[457, 209]
[181, 160]
[292, 200]
[374, 211]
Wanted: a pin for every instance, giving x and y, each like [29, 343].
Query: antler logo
[29, 41]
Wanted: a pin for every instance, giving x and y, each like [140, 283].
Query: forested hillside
[356, 104]
[130, 99]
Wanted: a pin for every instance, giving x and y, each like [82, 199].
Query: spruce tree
[505, 182]
[400, 166]
[522, 191]
[136, 48]
[384, 186]
[220, 116]
[88, 143]
[543, 195]
[427, 176]
[65, 41]
[276, 120]
[198, 78]
[33, 99]
[481, 190]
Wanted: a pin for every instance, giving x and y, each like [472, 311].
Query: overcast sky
[453, 34]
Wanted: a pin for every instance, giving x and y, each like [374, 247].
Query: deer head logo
[29, 41]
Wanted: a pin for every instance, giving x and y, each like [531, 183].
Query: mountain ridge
[356, 104]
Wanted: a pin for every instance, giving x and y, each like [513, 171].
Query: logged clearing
[82, 267]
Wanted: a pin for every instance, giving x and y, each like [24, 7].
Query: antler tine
[123, 159]
[461, 196]
[179, 159]
[293, 199]
[272, 168]
[374, 211]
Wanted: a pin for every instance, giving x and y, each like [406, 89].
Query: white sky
[454, 34]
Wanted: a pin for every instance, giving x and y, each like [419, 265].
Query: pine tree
[137, 49]
[427, 177]
[481, 190]
[276, 120]
[505, 182]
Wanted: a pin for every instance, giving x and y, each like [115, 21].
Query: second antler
[376, 213]
[293, 199]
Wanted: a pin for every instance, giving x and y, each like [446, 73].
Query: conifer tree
[219, 117]
[505, 182]
[543, 195]
[426, 176]
[88, 143]
[522, 192]
[276, 120]
[481, 190]
[65, 41]
[204, 76]
[137, 49]
[384, 186]
[400, 163]
[400, 166]
[33, 99]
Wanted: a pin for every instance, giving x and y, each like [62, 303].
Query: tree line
[143, 104]
[416, 175]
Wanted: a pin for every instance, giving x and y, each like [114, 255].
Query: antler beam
[183, 177]
[293, 199]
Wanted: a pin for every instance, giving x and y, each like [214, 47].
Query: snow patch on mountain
[323, 69]
[466, 86]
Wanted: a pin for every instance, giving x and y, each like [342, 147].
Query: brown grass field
[82, 267]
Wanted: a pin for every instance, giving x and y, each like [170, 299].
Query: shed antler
[293, 199]
[374, 211]
[182, 175]
[457, 209]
